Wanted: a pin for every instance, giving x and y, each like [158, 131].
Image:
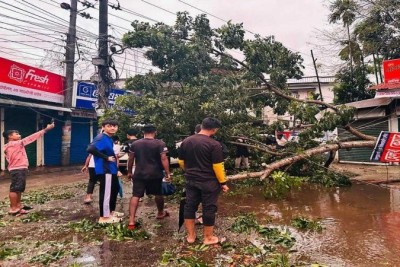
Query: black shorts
[18, 180]
[150, 187]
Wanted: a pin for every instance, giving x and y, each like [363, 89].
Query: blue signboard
[86, 96]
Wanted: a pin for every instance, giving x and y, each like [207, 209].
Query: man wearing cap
[150, 157]
[202, 159]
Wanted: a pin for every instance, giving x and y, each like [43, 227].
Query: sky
[33, 31]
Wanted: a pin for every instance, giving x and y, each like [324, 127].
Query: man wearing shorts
[18, 164]
[150, 156]
[202, 159]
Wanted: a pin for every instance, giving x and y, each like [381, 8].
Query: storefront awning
[32, 105]
[386, 86]
[373, 102]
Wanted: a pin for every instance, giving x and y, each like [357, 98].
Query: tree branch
[290, 160]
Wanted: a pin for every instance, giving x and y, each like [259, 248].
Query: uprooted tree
[217, 72]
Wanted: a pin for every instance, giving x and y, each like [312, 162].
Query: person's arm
[218, 167]
[165, 164]
[131, 160]
[33, 137]
[92, 149]
[85, 167]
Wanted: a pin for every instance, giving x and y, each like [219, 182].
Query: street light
[65, 6]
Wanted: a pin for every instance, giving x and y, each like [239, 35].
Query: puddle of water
[362, 222]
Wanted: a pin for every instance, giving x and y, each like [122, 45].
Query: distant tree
[352, 87]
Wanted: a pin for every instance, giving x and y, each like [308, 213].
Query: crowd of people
[200, 156]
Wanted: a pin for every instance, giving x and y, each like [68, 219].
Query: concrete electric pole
[104, 80]
[69, 80]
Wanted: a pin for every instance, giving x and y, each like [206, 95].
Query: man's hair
[115, 138]
[210, 124]
[6, 134]
[132, 132]
[109, 121]
[149, 128]
[197, 129]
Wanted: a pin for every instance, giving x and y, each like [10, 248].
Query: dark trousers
[109, 187]
[204, 192]
[92, 181]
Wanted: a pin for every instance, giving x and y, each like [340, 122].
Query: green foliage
[304, 223]
[281, 184]
[33, 217]
[245, 223]
[191, 261]
[120, 232]
[39, 197]
[6, 252]
[277, 236]
[329, 178]
[48, 257]
[352, 85]
[279, 260]
[84, 226]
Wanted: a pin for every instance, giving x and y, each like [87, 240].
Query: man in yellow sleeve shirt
[201, 157]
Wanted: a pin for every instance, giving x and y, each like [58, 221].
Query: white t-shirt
[91, 162]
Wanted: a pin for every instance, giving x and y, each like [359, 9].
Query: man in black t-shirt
[150, 156]
[202, 159]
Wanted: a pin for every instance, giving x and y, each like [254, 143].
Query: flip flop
[15, 213]
[18, 213]
[131, 227]
[165, 214]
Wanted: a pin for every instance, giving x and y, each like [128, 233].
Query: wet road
[362, 223]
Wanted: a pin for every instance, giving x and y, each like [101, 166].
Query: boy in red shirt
[18, 164]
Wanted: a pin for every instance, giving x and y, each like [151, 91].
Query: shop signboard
[387, 147]
[21, 80]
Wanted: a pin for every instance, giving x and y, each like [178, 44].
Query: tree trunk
[375, 68]
[290, 160]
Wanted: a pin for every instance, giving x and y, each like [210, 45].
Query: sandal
[18, 213]
[131, 227]
[165, 214]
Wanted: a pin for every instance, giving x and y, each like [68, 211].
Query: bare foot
[214, 240]
[191, 240]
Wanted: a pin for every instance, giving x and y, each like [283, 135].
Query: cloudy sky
[31, 31]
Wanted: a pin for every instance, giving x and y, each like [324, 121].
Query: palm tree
[344, 11]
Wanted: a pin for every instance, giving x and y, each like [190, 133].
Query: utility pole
[69, 80]
[103, 86]
[316, 73]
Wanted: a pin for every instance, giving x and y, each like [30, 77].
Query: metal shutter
[80, 138]
[52, 142]
[368, 126]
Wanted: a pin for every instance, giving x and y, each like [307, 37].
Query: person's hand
[111, 159]
[84, 169]
[50, 126]
[224, 188]
[168, 178]
[129, 176]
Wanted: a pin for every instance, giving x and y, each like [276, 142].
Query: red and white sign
[25, 81]
[391, 69]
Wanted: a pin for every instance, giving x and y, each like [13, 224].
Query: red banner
[391, 69]
[25, 81]
[387, 148]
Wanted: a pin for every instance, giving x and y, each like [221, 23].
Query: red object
[391, 151]
[391, 70]
[388, 86]
[21, 80]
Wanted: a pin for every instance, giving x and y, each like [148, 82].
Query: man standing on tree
[202, 159]
[150, 157]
